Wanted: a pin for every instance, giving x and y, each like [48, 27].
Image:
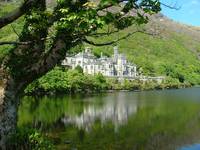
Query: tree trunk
[8, 112]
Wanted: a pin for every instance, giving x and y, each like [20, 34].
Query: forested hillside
[173, 50]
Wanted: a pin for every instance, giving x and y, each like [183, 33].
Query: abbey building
[115, 66]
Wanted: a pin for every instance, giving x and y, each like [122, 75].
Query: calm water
[152, 120]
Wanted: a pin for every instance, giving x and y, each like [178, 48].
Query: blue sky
[189, 12]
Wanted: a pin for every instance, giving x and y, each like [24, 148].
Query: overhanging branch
[170, 6]
[14, 15]
[114, 41]
[101, 34]
[15, 43]
[109, 5]
[22, 43]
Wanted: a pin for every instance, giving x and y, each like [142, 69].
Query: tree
[48, 35]
[79, 69]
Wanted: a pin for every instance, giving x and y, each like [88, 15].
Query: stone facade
[115, 66]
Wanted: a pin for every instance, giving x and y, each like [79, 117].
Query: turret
[115, 51]
[87, 50]
[115, 56]
[101, 54]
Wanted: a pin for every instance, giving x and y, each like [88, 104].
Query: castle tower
[101, 54]
[115, 51]
[87, 50]
[115, 56]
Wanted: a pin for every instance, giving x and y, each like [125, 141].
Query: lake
[149, 120]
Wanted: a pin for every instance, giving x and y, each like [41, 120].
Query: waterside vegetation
[61, 80]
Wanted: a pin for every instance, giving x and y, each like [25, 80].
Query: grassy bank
[63, 81]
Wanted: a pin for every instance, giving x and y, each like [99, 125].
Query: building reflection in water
[115, 110]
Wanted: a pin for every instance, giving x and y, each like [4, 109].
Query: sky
[188, 12]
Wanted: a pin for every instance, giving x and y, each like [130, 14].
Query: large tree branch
[14, 15]
[109, 5]
[49, 59]
[22, 43]
[15, 43]
[101, 34]
[170, 6]
[114, 41]
[121, 1]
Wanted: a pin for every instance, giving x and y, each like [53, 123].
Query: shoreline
[56, 93]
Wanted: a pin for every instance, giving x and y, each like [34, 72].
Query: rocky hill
[192, 32]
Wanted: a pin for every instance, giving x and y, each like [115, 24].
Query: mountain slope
[174, 51]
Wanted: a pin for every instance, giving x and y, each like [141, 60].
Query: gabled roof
[85, 55]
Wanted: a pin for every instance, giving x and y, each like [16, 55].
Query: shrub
[26, 138]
